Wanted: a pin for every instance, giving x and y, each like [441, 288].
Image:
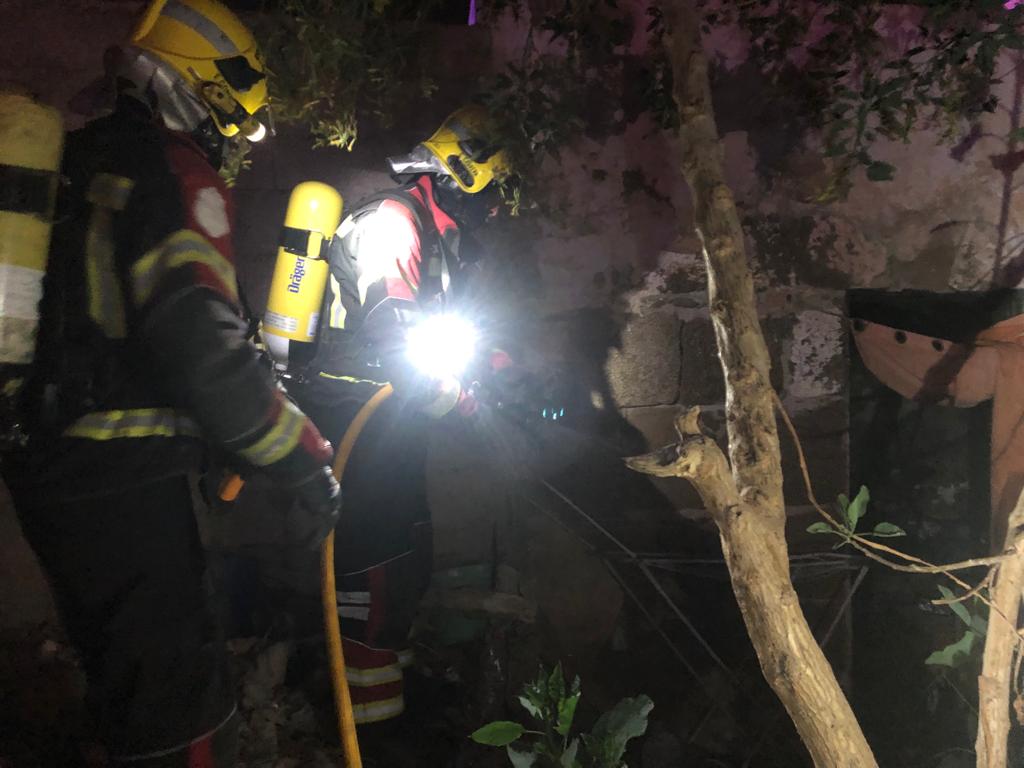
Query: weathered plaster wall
[949, 221]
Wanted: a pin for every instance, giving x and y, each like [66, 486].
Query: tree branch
[744, 494]
[1001, 641]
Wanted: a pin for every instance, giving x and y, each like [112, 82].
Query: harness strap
[27, 190]
[296, 241]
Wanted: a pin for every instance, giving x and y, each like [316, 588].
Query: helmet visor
[478, 150]
[420, 160]
[239, 73]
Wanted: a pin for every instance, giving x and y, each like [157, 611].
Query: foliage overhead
[871, 70]
[566, 82]
[856, 73]
[333, 63]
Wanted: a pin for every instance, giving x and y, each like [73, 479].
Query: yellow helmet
[215, 54]
[463, 148]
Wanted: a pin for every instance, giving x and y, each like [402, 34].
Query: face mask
[469, 211]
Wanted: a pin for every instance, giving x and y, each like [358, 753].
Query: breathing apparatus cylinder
[31, 143]
[300, 273]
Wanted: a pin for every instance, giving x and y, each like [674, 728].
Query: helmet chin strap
[145, 78]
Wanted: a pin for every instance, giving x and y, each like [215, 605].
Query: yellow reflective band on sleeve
[338, 312]
[279, 441]
[110, 191]
[137, 422]
[351, 379]
[181, 249]
[367, 678]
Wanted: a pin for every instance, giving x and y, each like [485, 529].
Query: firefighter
[142, 365]
[393, 260]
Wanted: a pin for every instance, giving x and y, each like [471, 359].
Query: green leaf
[498, 734]
[858, 507]
[879, 171]
[950, 655]
[1017, 134]
[979, 624]
[567, 709]
[530, 706]
[521, 759]
[888, 529]
[958, 608]
[556, 687]
[822, 528]
[613, 730]
[535, 696]
[569, 756]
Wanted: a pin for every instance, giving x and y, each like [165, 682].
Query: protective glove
[438, 397]
[316, 509]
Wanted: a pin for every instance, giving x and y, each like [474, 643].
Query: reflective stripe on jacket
[137, 422]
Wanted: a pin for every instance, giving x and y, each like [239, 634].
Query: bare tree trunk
[1001, 641]
[744, 495]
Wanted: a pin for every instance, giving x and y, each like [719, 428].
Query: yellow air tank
[300, 273]
[31, 142]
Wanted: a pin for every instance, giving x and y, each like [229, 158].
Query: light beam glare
[441, 346]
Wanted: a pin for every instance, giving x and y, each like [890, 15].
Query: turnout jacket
[393, 255]
[143, 357]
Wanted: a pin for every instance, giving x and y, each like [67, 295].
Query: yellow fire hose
[229, 491]
[328, 593]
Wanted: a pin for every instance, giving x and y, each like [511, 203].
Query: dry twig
[866, 546]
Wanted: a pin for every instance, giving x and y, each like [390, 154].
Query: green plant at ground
[551, 744]
[851, 514]
[955, 654]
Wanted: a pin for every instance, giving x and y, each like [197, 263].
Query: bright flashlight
[441, 346]
[258, 134]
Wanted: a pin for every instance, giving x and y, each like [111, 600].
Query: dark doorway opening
[928, 469]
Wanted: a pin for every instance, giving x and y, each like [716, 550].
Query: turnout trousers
[383, 544]
[129, 578]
